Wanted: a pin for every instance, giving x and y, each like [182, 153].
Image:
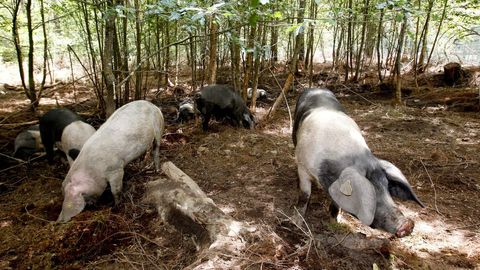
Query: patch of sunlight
[397, 113]
[12, 105]
[278, 131]
[435, 236]
[234, 228]
[260, 113]
[428, 236]
[51, 101]
[227, 209]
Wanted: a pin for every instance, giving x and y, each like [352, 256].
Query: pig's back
[126, 134]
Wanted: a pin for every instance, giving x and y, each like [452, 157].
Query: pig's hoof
[405, 228]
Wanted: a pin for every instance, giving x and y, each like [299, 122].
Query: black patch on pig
[310, 99]
[51, 128]
[73, 153]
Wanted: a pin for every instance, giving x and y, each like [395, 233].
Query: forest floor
[251, 175]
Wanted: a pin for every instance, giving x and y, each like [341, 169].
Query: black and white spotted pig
[261, 93]
[28, 142]
[186, 111]
[331, 151]
[66, 130]
[222, 102]
[128, 133]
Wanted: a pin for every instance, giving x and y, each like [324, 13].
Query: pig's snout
[404, 228]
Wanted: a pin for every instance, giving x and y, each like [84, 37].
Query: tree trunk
[45, 55]
[249, 64]
[444, 12]
[166, 58]
[181, 203]
[310, 36]
[300, 38]
[126, 89]
[31, 79]
[257, 66]
[424, 37]
[212, 59]
[108, 75]
[236, 59]
[398, 68]
[193, 53]
[93, 59]
[138, 48]
[117, 63]
[362, 41]
[274, 43]
[349, 47]
[18, 47]
[379, 50]
[288, 83]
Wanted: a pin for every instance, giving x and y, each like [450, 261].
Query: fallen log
[181, 203]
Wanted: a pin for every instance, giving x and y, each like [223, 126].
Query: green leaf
[399, 17]
[292, 28]
[254, 3]
[253, 19]
[277, 15]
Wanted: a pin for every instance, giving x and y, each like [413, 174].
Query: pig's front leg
[115, 179]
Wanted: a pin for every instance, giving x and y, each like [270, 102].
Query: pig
[331, 151]
[28, 142]
[221, 101]
[128, 133]
[186, 111]
[66, 130]
[261, 93]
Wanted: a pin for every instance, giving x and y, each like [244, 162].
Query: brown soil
[251, 175]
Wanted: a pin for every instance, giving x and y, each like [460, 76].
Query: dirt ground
[251, 175]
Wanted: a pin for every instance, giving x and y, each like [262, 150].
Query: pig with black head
[28, 142]
[128, 133]
[222, 102]
[331, 151]
[66, 130]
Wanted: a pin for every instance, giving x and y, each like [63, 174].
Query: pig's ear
[398, 185]
[355, 194]
[73, 204]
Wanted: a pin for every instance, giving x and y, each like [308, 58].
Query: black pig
[65, 129]
[222, 102]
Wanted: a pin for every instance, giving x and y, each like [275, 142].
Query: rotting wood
[181, 203]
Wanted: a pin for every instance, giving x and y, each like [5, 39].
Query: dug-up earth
[251, 175]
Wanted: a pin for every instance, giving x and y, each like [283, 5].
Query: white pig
[128, 133]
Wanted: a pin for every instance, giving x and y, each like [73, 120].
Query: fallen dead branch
[23, 162]
[433, 187]
[14, 125]
[181, 203]
[12, 158]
